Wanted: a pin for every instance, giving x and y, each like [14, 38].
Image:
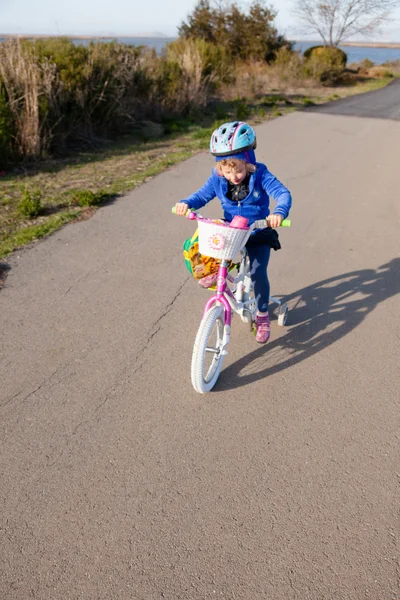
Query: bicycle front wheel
[207, 356]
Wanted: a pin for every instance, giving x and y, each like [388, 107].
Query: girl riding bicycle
[244, 187]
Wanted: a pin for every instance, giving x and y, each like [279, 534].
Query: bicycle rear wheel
[207, 358]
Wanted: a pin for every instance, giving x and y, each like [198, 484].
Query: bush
[288, 66]
[247, 34]
[380, 72]
[60, 94]
[367, 64]
[84, 197]
[393, 66]
[326, 62]
[332, 77]
[88, 198]
[30, 205]
[193, 70]
[241, 109]
[6, 128]
[329, 55]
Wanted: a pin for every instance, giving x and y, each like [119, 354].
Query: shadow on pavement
[319, 315]
[4, 269]
[378, 104]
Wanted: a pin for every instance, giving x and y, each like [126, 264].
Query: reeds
[58, 93]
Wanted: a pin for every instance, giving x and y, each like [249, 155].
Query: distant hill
[150, 34]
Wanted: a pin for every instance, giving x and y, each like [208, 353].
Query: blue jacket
[263, 184]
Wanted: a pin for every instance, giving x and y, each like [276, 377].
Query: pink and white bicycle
[232, 295]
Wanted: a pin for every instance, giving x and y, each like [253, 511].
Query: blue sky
[126, 17]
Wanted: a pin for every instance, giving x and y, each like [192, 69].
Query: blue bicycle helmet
[232, 139]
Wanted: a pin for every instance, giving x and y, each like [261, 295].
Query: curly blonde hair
[233, 163]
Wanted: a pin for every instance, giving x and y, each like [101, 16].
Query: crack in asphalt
[85, 276]
[155, 328]
[153, 331]
[30, 393]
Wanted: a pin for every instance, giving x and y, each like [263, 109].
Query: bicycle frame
[231, 301]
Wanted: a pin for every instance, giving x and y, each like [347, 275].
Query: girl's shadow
[319, 315]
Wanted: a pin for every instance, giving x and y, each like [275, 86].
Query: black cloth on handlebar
[264, 237]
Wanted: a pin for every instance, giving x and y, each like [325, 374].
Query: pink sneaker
[263, 329]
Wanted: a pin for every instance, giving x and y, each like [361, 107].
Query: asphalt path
[383, 103]
[118, 481]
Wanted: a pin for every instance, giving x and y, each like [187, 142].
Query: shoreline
[392, 45]
[82, 37]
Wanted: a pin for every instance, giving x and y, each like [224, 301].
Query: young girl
[243, 187]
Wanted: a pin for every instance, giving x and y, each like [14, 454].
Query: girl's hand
[181, 208]
[274, 220]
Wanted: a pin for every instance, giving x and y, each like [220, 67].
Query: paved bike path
[119, 481]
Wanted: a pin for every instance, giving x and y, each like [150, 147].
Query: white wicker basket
[220, 240]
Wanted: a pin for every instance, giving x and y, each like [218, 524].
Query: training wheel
[282, 315]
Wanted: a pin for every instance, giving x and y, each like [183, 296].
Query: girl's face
[235, 174]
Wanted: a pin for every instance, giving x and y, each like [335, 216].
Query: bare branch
[336, 20]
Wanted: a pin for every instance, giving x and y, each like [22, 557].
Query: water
[356, 54]
[157, 43]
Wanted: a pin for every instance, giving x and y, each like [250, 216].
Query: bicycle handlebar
[192, 215]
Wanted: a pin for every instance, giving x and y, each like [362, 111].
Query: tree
[336, 20]
[201, 24]
[247, 34]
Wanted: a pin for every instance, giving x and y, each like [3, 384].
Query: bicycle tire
[201, 381]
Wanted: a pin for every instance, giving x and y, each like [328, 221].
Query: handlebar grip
[286, 223]
[188, 212]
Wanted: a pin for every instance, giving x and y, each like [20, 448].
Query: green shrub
[329, 55]
[84, 197]
[192, 71]
[205, 133]
[288, 66]
[367, 64]
[325, 61]
[241, 109]
[88, 198]
[30, 205]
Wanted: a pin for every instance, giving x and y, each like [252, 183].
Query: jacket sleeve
[202, 196]
[279, 192]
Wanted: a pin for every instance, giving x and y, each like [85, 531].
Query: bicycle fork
[220, 300]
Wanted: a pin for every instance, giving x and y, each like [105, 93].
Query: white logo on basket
[216, 241]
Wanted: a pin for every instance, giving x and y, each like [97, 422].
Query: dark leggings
[259, 257]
